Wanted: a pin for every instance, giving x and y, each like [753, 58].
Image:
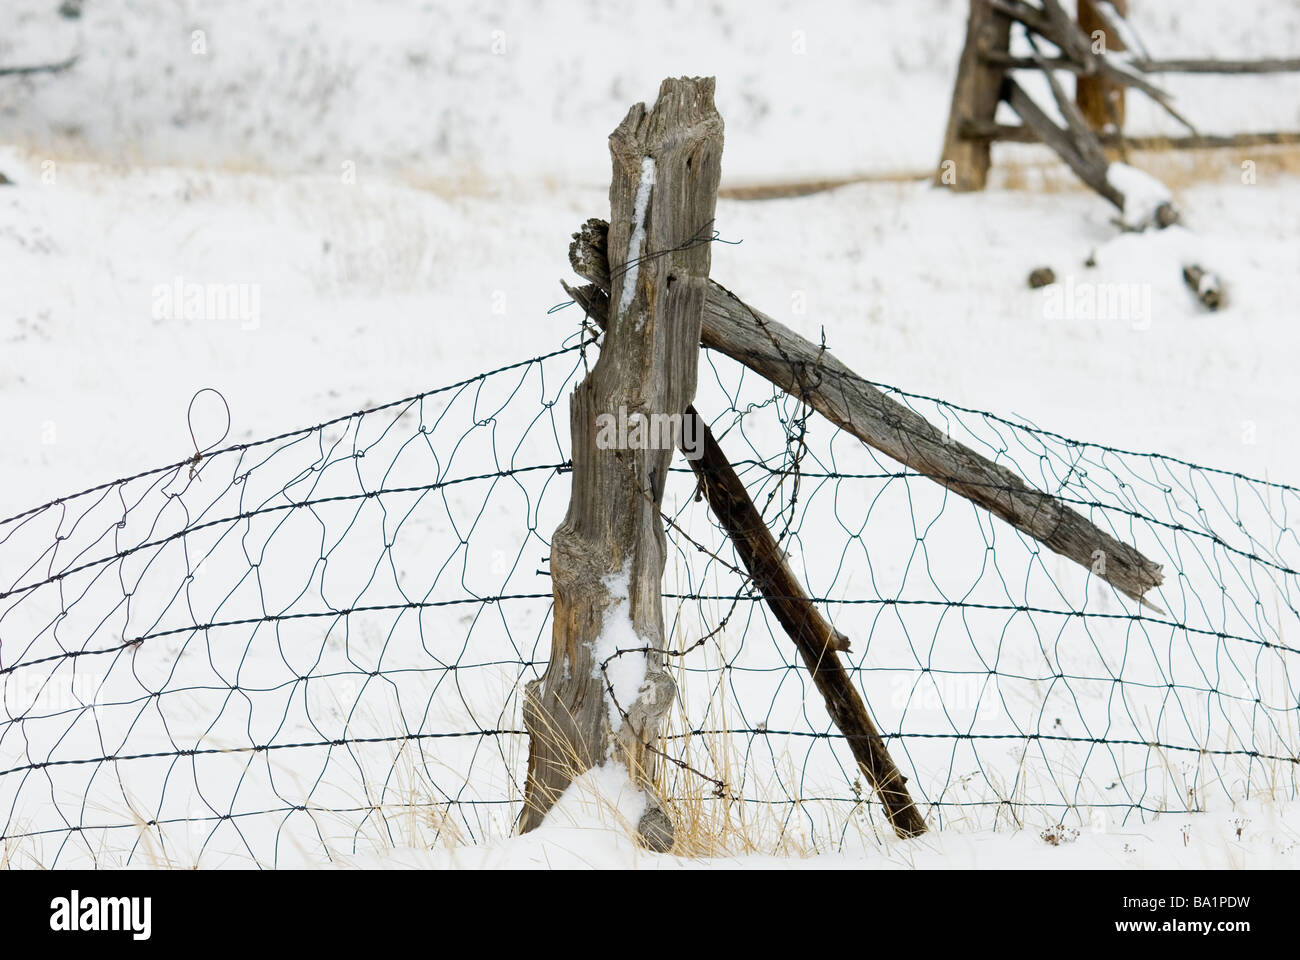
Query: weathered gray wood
[1275, 65]
[1080, 148]
[1010, 62]
[1054, 25]
[816, 640]
[964, 163]
[1113, 15]
[574, 716]
[1101, 99]
[806, 370]
[1014, 133]
[1091, 170]
[1204, 286]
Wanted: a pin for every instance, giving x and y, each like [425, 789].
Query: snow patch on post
[637, 240]
[624, 673]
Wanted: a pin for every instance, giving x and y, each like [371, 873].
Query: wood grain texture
[817, 641]
[1204, 286]
[806, 370]
[612, 528]
[975, 96]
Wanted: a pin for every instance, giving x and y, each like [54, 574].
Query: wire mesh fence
[315, 645]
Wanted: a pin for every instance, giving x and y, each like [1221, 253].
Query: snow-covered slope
[466, 94]
[374, 290]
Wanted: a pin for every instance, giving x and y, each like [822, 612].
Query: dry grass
[1019, 167]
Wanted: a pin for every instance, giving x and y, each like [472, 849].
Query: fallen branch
[1205, 285]
[810, 373]
[1009, 61]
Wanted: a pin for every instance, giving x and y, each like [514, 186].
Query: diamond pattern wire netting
[315, 645]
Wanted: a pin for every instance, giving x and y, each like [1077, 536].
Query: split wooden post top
[605, 690]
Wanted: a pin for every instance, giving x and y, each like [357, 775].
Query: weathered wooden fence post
[964, 164]
[605, 690]
[817, 641]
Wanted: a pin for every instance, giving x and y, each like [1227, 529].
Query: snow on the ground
[623, 672]
[390, 188]
[592, 827]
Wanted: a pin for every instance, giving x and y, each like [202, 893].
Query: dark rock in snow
[1042, 277]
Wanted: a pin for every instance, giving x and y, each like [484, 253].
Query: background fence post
[596, 704]
[964, 164]
[1100, 99]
